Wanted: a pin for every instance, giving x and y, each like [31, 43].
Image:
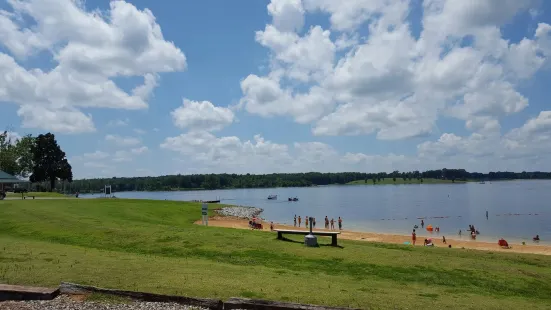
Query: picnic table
[332, 234]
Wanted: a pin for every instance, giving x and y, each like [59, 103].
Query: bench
[333, 234]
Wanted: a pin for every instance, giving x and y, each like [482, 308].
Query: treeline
[228, 181]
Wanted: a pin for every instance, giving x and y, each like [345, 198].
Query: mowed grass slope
[154, 246]
[387, 181]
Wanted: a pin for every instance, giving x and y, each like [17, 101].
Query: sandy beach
[232, 222]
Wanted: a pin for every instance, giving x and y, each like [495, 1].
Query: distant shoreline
[357, 182]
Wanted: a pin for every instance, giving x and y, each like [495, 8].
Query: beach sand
[231, 222]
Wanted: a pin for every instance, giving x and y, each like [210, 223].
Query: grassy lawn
[37, 194]
[154, 246]
[387, 181]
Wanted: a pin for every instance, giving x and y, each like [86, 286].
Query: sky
[145, 88]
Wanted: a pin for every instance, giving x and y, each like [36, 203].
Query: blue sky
[271, 86]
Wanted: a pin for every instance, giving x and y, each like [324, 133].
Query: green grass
[388, 181]
[37, 194]
[154, 246]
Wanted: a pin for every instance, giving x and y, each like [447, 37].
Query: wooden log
[256, 304]
[17, 292]
[72, 288]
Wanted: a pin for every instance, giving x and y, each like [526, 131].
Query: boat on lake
[272, 197]
[293, 199]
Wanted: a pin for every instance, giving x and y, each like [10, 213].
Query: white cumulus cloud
[201, 115]
[89, 50]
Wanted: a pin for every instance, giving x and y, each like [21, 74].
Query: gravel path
[240, 212]
[64, 302]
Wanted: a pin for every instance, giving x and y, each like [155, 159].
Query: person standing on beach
[413, 237]
[295, 220]
[460, 233]
[340, 223]
[332, 224]
[422, 224]
[444, 239]
[326, 222]
[306, 221]
[299, 220]
[314, 222]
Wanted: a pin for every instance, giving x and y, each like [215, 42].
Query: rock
[240, 212]
[66, 303]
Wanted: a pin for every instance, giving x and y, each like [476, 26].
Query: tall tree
[8, 157]
[15, 154]
[49, 161]
[25, 156]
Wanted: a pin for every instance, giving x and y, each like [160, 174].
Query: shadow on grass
[319, 245]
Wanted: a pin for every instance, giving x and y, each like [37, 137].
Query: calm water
[396, 208]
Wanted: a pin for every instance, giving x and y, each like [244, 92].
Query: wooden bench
[333, 234]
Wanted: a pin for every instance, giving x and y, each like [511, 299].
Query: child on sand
[444, 239]
[340, 223]
[272, 226]
[413, 237]
[299, 220]
[306, 221]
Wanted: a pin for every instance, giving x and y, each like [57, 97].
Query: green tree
[8, 157]
[49, 161]
[25, 156]
[15, 154]
[212, 181]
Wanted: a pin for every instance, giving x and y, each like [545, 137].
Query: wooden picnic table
[333, 234]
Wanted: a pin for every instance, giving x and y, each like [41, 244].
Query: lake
[518, 210]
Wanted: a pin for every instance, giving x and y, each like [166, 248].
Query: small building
[8, 180]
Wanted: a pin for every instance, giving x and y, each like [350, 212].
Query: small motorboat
[272, 197]
[293, 199]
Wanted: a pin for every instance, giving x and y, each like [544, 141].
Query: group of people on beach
[329, 224]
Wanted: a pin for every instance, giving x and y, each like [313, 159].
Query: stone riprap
[240, 212]
[66, 303]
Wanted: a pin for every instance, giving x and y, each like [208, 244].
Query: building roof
[8, 178]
